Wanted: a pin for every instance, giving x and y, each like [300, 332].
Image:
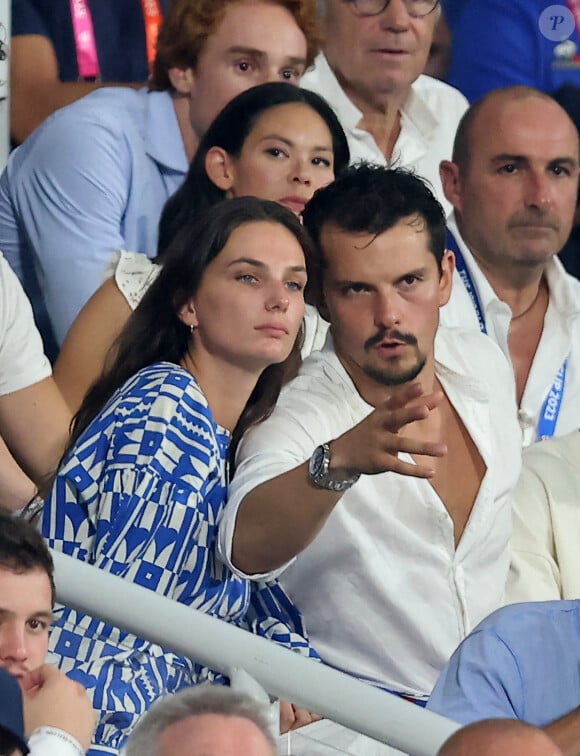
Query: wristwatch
[321, 476]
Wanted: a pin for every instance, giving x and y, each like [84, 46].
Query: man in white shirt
[58, 714]
[370, 72]
[387, 465]
[514, 184]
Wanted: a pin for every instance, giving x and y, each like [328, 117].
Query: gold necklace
[531, 306]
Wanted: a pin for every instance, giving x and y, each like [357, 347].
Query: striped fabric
[140, 496]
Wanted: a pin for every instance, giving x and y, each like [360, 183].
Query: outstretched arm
[279, 518]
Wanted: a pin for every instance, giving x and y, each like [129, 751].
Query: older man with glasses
[370, 72]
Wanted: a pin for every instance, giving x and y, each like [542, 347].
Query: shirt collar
[563, 288]
[419, 122]
[451, 368]
[348, 113]
[416, 114]
[163, 139]
[485, 290]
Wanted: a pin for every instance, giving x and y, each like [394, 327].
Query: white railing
[223, 647]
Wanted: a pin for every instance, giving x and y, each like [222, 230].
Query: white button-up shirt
[560, 338]
[385, 594]
[429, 120]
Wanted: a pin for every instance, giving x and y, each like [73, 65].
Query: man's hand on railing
[292, 717]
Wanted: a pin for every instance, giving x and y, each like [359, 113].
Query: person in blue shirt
[498, 43]
[522, 662]
[95, 176]
[142, 485]
[46, 63]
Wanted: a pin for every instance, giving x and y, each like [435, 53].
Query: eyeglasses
[415, 8]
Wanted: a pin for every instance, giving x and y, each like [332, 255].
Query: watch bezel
[321, 476]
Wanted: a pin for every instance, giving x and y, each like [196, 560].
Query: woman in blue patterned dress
[143, 482]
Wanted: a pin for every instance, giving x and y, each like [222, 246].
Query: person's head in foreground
[274, 141]
[382, 272]
[499, 737]
[229, 300]
[12, 737]
[26, 596]
[203, 721]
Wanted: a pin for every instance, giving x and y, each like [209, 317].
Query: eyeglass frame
[386, 5]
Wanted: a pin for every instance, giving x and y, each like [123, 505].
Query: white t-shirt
[134, 273]
[22, 358]
[429, 120]
[560, 338]
[385, 594]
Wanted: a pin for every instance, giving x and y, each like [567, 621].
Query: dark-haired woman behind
[143, 482]
[274, 141]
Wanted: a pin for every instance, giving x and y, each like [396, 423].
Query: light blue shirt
[92, 179]
[521, 662]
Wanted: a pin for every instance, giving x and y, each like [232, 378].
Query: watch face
[316, 461]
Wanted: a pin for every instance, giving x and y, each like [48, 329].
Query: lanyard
[152, 17]
[553, 403]
[84, 34]
[465, 276]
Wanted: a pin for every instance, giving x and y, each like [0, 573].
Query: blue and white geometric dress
[140, 496]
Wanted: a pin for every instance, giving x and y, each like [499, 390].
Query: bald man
[498, 737]
[513, 183]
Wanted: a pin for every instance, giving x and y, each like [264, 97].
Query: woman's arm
[85, 347]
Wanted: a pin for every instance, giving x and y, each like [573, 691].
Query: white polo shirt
[560, 338]
[385, 594]
[429, 120]
[22, 358]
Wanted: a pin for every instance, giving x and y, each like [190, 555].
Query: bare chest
[524, 337]
[459, 474]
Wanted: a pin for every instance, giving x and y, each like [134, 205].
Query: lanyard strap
[152, 17]
[451, 243]
[553, 403]
[574, 6]
[86, 46]
[84, 34]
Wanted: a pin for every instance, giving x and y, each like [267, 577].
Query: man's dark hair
[372, 199]
[8, 743]
[22, 548]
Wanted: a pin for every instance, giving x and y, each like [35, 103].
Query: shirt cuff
[50, 741]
